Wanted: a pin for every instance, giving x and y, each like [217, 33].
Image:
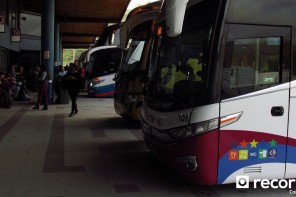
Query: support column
[57, 44]
[61, 51]
[47, 42]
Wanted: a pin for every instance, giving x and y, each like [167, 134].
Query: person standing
[42, 85]
[33, 78]
[61, 72]
[13, 71]
[72, 81]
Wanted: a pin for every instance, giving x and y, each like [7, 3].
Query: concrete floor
[93, 154]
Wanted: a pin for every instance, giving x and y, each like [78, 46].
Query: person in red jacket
[42, 85]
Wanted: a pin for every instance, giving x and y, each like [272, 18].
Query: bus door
[254, 107]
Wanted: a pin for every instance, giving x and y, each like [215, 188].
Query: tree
[69, 55]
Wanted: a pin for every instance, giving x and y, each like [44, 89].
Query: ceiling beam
[73, 19]
[77, 46]
[76, 42]
[79, 35]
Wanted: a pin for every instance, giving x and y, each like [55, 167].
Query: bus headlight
[194, 129]
[95, 81]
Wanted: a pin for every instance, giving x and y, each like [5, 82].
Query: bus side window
[250, 65]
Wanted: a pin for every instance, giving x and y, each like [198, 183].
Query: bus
[221, 90]
[103, 61]
[101, 66]
[129, 81]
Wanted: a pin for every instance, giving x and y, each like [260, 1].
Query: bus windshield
[104, 62]
[138, 38]
[178, 71]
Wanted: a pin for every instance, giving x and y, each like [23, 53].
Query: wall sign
[46, 54]
[2, 29]
[15, 35]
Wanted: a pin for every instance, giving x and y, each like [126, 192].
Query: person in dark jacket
[42, 83]
[72, 81]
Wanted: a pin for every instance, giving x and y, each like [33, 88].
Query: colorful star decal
[273, 143]
[234, 144]
[264, 144]
[244, 144]
[253, 144]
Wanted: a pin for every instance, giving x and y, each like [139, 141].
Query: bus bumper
[196, 159]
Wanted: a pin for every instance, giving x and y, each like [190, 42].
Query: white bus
[101, 66]
[221, 93]
[136, 36]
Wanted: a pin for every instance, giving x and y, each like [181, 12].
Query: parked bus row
[213, 82]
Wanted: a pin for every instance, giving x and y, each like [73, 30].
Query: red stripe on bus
[105, 93]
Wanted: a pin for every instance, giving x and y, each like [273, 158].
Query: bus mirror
[175, 12]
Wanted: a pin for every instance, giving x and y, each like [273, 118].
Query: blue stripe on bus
[103, 89]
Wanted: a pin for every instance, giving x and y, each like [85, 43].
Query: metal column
[61, 51]
[57, 44]
[47, 42]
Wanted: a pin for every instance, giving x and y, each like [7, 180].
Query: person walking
[72, 81]
[42, 85]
